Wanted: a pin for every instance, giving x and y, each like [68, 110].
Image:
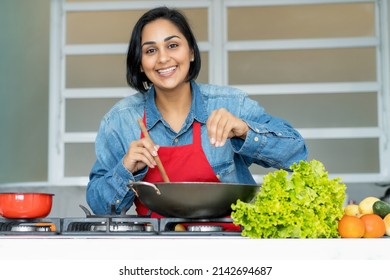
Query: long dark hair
[136, 78]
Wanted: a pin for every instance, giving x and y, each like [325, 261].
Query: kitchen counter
[169, 247]
[108, 257]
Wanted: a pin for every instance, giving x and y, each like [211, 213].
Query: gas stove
[119, 225]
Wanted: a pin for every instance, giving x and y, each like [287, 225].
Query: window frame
[217, 40]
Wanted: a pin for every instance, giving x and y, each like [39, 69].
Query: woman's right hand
[141, 153]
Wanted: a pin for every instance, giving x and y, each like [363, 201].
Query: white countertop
[102, 258]
[166, 247]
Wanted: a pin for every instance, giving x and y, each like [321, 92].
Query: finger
[138, 156]
[222, 132]
[146, 153]
[212, 124]
[227, 133]
[149, 145]
[146, 158]
[138, 159]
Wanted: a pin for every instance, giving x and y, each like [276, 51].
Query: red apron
[179, 164]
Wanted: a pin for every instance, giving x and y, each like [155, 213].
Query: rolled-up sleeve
[271, 141]
[109, 179]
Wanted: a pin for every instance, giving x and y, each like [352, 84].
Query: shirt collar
[198, 110]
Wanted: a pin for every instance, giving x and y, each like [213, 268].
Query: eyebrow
[166, 39]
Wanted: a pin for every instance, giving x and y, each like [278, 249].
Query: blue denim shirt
[270, 142]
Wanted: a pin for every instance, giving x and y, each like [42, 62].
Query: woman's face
[166, 55]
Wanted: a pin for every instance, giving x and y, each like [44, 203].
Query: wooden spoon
[156, 158]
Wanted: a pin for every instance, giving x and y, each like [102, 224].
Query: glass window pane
[302, 66]
[301, 21]
[109, 27]
[336, 155]
[79, 158]
[83, 115]
[199, 22]
[96, 71]
[203, 76]
[323, 110]
[346, 155]
[100, 27]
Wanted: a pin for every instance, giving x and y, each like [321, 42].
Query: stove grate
[110, 226]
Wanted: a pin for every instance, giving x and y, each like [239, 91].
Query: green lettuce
[302, 204]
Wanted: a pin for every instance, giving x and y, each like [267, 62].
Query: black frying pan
[192, 200]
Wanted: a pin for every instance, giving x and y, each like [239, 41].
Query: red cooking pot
[25, 205]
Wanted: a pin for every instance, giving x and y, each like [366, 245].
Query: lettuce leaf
[302, 204]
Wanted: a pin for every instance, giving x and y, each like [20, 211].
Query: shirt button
[118, 201]
[257, 130]
[218, 176]
[176, 140]
[256, 139]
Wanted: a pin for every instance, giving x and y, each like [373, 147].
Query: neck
[174, 106]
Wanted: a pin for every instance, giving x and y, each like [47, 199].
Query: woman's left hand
[222, 125]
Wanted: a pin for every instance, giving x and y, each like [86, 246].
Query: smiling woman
[166, 63]
[218, 129]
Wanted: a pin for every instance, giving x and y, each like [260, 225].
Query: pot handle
[86, 210]
[141, 183]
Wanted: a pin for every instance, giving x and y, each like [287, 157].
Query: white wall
[24, 70]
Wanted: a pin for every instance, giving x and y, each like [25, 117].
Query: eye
[173, 45]
[150, 51]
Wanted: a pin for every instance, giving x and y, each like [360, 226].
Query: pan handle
[141, 183]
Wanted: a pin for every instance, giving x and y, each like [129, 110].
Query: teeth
[164, 71]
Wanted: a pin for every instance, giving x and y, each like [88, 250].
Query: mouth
[167, 71]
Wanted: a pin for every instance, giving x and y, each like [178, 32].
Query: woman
[202, 133]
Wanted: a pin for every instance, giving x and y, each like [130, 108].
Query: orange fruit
[351, 227]
[374, 224]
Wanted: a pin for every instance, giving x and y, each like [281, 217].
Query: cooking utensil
[156, 158]
[25, 205]
[192, 199]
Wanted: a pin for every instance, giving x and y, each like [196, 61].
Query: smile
[167, 70]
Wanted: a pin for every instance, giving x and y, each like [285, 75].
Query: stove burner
[194, 227]
[29, 226]
[207, 228]
[110, 226]
[121, 227]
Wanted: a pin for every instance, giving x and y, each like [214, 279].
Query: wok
[25, 205]
[193, 199]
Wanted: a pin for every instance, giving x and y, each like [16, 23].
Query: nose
[163, 56]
